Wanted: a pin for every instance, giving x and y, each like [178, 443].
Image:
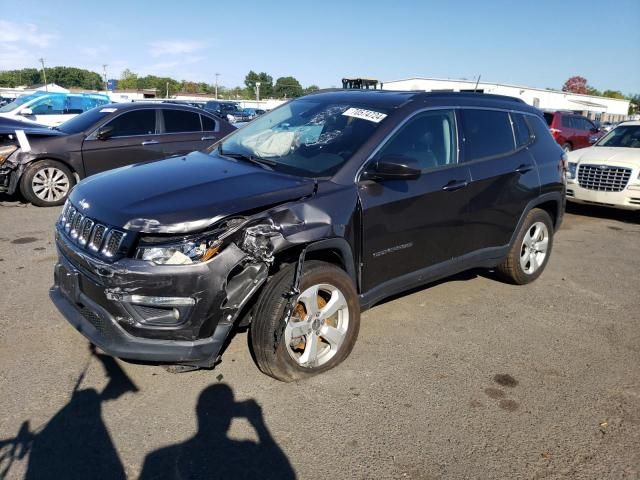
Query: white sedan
[608, 173]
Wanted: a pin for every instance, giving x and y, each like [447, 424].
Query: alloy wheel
[534, 247]
[318, 325]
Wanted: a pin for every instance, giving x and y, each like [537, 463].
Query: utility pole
[217, 75]
[167, 90]
[44, 74]
[258, 91]
[104, 73]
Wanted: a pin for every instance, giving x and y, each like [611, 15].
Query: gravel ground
[468, 378]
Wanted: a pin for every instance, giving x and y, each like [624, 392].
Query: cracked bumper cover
[81, 284]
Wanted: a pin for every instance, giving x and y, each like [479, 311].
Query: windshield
[9, 107]
[309, 137]
[85, 121]
[625, 136]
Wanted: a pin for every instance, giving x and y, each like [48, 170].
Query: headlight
[183, 252]
[187, 250]
[571, 170]
[6, 151]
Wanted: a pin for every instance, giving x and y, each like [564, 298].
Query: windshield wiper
[262, 162]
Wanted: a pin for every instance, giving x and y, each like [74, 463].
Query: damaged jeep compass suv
[296, 223]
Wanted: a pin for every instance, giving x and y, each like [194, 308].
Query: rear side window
[520, 129]
[487, 133]
[178, 121]
[138, 122]
[548, 117]
[208, 124]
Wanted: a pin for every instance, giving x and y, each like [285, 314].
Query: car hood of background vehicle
[607, 155]
[183, 194]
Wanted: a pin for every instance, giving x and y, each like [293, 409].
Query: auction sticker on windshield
[375, 117]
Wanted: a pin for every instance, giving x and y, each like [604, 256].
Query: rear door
[183, 132]
[412, 224]
[134, 139]
[503, 175]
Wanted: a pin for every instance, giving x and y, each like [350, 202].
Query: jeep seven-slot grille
[603, 178]
[89, 234]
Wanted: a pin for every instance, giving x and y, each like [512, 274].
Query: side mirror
[392, 167]
[26, 112]
[104, 133]
[594, 130]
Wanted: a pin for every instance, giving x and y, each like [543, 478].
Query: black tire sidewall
[26, 187]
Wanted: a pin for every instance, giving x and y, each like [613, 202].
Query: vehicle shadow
[14, 200]
[626, 216]
[74, 443]
[211, 454]
[459, 277]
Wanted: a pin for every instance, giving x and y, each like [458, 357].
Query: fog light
[152, 301]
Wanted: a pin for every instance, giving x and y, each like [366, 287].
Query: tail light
[555, 132]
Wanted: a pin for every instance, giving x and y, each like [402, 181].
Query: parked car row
[107, 137]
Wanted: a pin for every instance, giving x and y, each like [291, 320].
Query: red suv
[572, 131]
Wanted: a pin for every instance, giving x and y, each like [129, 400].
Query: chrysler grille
[89, 234]
[603, 178]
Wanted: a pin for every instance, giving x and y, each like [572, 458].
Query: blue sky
[537, 43]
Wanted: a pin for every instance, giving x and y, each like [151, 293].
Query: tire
[280, 352]
[46, 183]
[531, 249]
[567, 147]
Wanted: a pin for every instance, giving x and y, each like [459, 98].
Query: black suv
[296, 223]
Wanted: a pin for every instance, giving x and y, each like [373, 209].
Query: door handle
[208, 138]
[150, 142]
[524, 168]
[455, 185]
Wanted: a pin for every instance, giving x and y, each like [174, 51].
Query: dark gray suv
[297, 222]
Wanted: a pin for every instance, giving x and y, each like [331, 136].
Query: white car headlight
[571, 170]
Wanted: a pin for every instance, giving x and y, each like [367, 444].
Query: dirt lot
[468, 378]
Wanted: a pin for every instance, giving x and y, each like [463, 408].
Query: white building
[596, 108]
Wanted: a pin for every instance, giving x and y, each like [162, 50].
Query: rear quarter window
[487, 133]
[520, 129]
[548, 117]
[539, 129]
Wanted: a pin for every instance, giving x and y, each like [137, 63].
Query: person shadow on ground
[210, 454]
[75, 443]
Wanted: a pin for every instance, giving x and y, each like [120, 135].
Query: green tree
[266, 84]
[613, 94]
[128, 80]
[311, 89]
[287, 87]
[634, 103]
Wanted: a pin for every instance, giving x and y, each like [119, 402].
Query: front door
[412, 224]
[133, 139]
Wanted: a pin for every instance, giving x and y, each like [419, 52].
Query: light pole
[258, 91]
[44, 74]
[217, 75]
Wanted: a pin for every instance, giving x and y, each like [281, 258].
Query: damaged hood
[183, 194]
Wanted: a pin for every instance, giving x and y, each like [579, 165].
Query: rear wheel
[46, 183]
[323, 327]
[530, 252]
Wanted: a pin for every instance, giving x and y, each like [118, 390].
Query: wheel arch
[551, 202]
